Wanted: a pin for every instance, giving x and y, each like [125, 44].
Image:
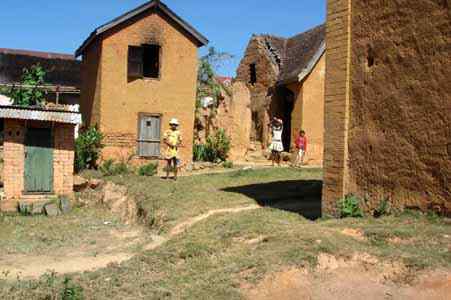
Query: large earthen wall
[262, 91]
[308, 112]
[394, 104]
[119, 100]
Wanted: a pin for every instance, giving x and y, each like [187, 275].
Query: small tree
[29, 93]
[207, 84]
[87, 149]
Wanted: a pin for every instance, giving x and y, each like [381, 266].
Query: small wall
[14, 160]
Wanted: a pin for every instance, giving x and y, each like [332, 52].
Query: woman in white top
[276, 146]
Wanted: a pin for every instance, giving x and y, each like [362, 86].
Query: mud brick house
[38, 154]
[285, 77]
[138, 72]
[388, 103]
[62, 78]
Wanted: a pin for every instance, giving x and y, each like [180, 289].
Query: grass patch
[214, 257]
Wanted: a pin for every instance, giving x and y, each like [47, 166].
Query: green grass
[40, 235]
[171, 202]
[214, 257]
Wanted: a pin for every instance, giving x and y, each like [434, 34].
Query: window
[149, 132]
[144, 61]
[253, 74]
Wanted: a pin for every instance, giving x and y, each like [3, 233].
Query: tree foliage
[29, 92]
[207, 85]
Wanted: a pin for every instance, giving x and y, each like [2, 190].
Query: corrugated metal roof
[23, 113]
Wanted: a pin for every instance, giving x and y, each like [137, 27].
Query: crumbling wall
[388, 108]
[241, 125]
[262, 91]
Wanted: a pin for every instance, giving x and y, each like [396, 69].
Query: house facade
[138, 72]
[388, 104]
[286, 80]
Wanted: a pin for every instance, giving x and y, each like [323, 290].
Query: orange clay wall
[119, 100]
[308, 112]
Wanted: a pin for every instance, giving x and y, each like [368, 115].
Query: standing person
[173, 140]
[301, 147]
[276, 146]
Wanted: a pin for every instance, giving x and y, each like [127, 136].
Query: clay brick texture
[388, 103]
[14, 160]
[113, 102]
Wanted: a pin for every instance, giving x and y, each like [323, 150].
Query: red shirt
[301, 142]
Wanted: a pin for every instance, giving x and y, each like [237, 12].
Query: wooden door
[38, 160]
[149, 136]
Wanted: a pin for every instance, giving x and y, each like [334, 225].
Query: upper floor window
[253, 73]
[144, 61]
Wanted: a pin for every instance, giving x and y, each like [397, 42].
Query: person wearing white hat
[173, 140]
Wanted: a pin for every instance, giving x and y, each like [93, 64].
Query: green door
[38, 160]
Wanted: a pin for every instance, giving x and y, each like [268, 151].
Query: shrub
[71, 291]
[87, 149]
[216, 148]
[110, 168]
[384, 209]
[349, 207]
[150, 169]
[199, 152]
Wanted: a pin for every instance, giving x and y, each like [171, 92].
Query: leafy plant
[150, 169]
[110, 168]
[71, 291]
[384, 209]
[215, 149]
[199, 152]
[349, 207]
[87, 149]
[207, 85]
[29, 92]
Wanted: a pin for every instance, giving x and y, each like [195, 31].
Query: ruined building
[285, 77]
[138, 72]
[388, 103]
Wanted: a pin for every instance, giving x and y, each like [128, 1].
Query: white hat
[174, 121]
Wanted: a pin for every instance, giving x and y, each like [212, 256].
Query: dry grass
[216, 256]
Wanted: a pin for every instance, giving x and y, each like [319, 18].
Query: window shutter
[135, 61]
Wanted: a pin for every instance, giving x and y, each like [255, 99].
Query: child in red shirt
[301, 148]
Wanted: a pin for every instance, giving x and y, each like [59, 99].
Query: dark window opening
[253, 73]
[144, 61]
[151, 61]
[370, 57]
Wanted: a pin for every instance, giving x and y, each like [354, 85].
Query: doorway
[282, 107]
[38, 160]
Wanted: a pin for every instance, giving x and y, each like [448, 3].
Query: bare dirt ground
[116, 247]
[362, 277]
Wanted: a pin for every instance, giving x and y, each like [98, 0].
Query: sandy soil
[362, 277]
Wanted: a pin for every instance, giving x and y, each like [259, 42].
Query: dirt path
[93, 258]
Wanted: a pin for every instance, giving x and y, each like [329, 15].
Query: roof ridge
[35, 53]
[202, 41]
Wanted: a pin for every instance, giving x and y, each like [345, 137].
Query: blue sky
[62, 25]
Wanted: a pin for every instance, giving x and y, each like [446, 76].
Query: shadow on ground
[300, 196]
